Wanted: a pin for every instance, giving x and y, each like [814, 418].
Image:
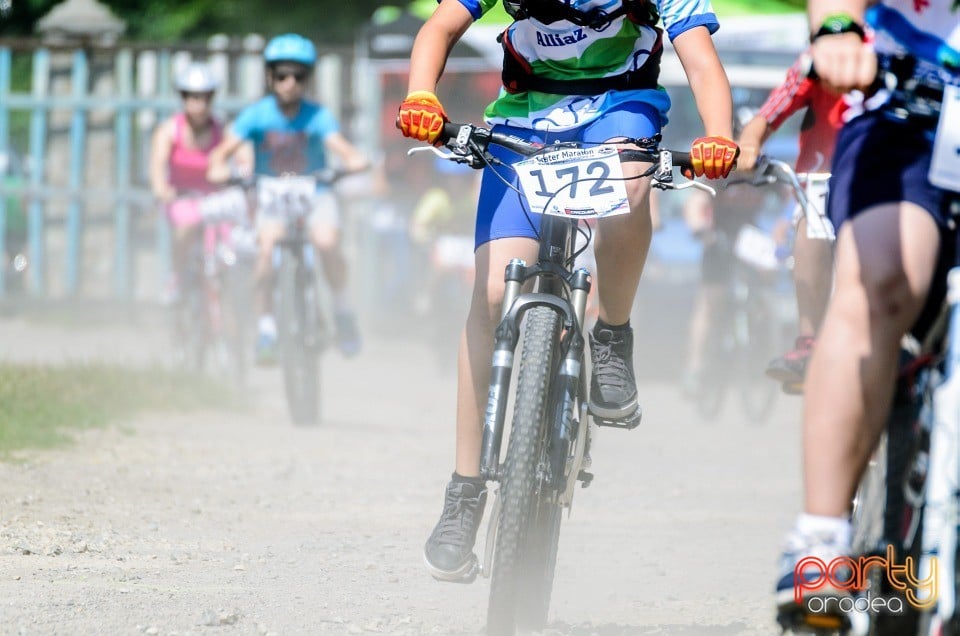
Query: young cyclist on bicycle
[292, 135]
[893, 250]
[179, 155]
[580, 70]
[812, 255]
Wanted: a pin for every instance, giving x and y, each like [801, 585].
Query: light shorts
[183, 212]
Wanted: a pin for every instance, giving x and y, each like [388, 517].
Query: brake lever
[450, 156]
[696, 184]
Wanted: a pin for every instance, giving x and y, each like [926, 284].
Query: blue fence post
[4, 148]
[164, 239]
[38, 150]
[122, 139]
[78, 136]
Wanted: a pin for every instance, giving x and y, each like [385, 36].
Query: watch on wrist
[838, 24]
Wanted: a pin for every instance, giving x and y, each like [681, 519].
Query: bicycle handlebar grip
[450, 130]
[682, 160]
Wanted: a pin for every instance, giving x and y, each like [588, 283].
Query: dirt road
[239, 523]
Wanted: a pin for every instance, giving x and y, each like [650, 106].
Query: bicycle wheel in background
[191, 331]
[529, 525]
[716, 373]
[296, 321]
[757, 337]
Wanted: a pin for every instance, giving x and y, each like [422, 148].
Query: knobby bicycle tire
[522, 575]
[298, 356]
[757, 393]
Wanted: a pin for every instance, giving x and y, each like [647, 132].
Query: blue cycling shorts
[503, 213]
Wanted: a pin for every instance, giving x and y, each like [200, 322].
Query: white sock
[836, 527]
[267, 325]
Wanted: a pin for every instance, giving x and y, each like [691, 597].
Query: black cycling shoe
[448, 553]
[613, 386]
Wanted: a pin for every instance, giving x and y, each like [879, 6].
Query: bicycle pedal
[627, 423]
[586, 478]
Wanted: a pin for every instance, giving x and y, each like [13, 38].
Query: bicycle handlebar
[468, 144]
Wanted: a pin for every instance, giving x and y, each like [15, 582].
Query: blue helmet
[290, 47]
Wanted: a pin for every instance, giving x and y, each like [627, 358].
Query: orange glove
[421, 116]
[713, 157]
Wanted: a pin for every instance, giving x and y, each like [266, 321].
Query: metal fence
[84, 119]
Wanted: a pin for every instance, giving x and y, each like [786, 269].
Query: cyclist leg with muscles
[503, 231]
[892, 250]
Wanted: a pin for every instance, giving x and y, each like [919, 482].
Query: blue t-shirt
[282, 145]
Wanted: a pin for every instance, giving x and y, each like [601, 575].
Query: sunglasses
[299, 76]
[201, 96]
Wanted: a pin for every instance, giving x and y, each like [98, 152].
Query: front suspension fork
[507, 335]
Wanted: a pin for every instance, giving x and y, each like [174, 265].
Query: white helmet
[197, 78]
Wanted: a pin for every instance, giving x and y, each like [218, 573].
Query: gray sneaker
[448, 553]
[613, 386]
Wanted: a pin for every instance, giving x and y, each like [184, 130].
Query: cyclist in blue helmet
[293, 135]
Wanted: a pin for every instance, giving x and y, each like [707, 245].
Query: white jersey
[926, 29]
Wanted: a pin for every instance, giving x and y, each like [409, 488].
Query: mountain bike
[547, 454]
[748, 334]
[302, 324]
[213, 312]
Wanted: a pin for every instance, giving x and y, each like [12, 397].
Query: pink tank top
[188, 166]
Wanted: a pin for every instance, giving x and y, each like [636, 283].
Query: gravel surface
[240, 523]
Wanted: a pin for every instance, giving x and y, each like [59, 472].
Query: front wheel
[529, 525]
[297, 322]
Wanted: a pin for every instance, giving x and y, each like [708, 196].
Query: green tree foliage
[326, 21]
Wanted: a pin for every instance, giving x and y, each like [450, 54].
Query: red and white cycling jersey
[824, 117]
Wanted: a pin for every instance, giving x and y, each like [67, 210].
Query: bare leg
[267, 238]
[476, 344]
[326, 239]
[886, 258]
[621, 249]
[813, 279]
[710, 298]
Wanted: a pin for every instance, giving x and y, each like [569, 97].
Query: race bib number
[756, 248]
[817, 186]
[282, 197]
[585, 183]
[945, 164]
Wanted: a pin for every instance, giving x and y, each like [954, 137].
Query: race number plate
[817, 186]
[756, 248]
[585, 183]
[281, 197]
[945, 164]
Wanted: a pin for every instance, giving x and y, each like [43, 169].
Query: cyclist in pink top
[179, 156]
